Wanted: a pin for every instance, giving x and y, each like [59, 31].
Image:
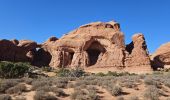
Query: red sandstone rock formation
[17, 50]
[137, 52]
[96, 44]
[162, 56]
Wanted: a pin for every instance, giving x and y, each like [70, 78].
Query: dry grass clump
[8, 83]
[41, 95]
[18, 89]
[167, 82]
[152, 93]
[40, 83]
[5, 97]
[27, 80]
[60, 83]
[58, 92]
[152, 81]
[85, 94]
[129, 81]
[115, 90]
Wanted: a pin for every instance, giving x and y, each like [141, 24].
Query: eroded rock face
[96, 44]
[17, 50]
[99, 44]
[161, 57]
[137, 53]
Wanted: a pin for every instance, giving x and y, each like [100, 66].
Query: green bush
[100, 74]
[109, 73]
[13, 70]
[70, 73]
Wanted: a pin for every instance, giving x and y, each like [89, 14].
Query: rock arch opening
[93, 51]
[42, 57]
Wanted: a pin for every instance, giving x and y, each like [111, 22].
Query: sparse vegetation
[16, 89]
[115, 90]
[152, 93]
[8, 83]
[88, 86]
[13, 70]
[78, 72]
[41, 95]
[5, 97]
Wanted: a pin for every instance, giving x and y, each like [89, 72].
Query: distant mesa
[94, 45]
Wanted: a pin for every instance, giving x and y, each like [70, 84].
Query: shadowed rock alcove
[93, 51]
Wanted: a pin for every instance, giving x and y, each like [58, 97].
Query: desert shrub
[84, 95]
[45, 88]
[28, 80]
[78, 95]
[47, 68]
[13, 70]
[40, 83]
[100, 74]
[119, 74]
[70, 73]
[157, 72]
[129, 84]
[5, 97]
[6, 84]
[142, 76]
[115, 90]
[41, 95]
[167, 82]
[16, 89]
[151, 81]
[129, 81]
[92, 95]
[70, 85]
[60, 83]
[63, 72]
[58, 92]
[152, 93]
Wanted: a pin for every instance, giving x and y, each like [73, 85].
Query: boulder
[161, 57]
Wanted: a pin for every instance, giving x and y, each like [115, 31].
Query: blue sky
[40, 19]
